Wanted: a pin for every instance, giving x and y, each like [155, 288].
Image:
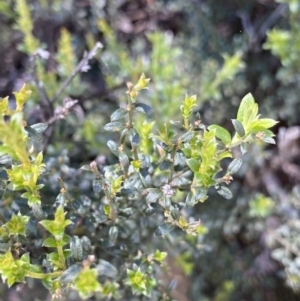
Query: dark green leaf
[164, 146]
[37, 211]
[190, 200]
[234, 166]
[239, 128]
[114, 147]
[154, 208]
[153, 195]
[124, 161]
[165, 165]
[105, 268]
[33, 134]
[113, 233]
[180, 159]
[4, 247]
[5, 159]
[40, 127]
[186, 137]
[97, 185]
[200, 193]
[175, 213]
[135, 140]
[70, 274]
[127, 191]
[118, 114]
[180, 182]
[244, 147]
[269, 140]
[164, 229]
[2, 185]
[115, 126]
[126, 212]
[86, 243]
[143, 108]
[224, 192]
[76, 248]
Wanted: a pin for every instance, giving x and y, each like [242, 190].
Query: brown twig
[82, 64]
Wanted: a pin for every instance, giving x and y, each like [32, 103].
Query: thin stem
[79, 67]
[61, 257]
[62, 184]
[173, 153]
[186, 123]
[235, 144]
[130, 125]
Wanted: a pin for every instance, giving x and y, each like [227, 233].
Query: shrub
[133, 199]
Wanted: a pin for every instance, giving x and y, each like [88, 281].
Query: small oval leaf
[33, 134]
[113, 233]
[118, 114]
[153, 195]
[190, 200]
[115, 126]
[165, 165]
[269, 140]
[76, 248]
[5, 159]
[143, 108]
[234, 166]
[124, 161]
[200, 194]
[224, 192]
[70, 273]
[114, 147]
[239, 128]
[186, 137]
[164, 229]
[97, 185]
[244, 147]
[105, 268]
[40, 127]
[135, 140]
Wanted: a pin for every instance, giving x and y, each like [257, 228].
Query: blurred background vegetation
[219, 50]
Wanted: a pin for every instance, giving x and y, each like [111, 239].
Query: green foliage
[25, 24]
[86, 283]
[261, 206]
[203, 150]
[286, 43]
[100, 232]
[139, 282]
[17, 224]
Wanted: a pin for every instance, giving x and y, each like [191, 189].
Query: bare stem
[61, 256]
[79, 67]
